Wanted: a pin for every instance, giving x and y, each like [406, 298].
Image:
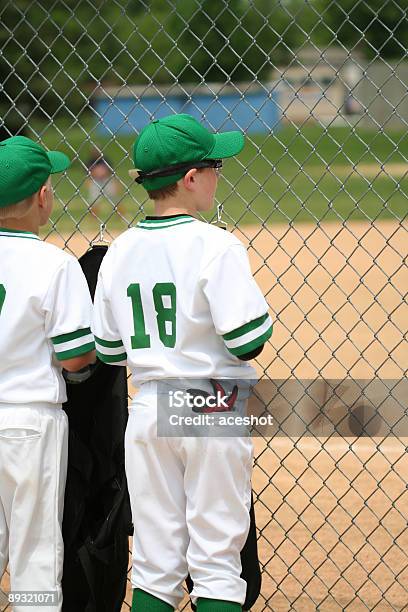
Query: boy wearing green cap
[45, 315]
[176, 300]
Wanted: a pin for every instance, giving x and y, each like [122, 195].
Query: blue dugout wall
[127, 110]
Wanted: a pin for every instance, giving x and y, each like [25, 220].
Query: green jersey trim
[251, 346]
[155, 224]
[111, 358]
[247, 327]
[109, 343]
[164, 220]
[164, 226]
[76, 352]
[79, 333]
[10, 233]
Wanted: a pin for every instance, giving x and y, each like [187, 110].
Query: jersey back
[176, 298]
[45, 315]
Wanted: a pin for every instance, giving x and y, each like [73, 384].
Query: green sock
[144, 602]
[217, 605]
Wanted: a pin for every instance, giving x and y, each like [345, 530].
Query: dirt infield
[337, 296]
[333, 524]
[332, 515]
[393, 169]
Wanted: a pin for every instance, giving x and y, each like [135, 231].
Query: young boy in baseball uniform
[45, 317]
[176, 300]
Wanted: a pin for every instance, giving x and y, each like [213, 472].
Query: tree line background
[54, 53]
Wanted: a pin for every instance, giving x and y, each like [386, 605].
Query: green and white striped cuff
[74, 344]
[250, 336]
[111, 351]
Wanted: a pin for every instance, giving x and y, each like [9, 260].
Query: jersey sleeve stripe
[79, 333]
[76, 352]
[110, 352]
[251, 346]
[244, 329]
[250, 336]
[109, 343]
[73, 344]
[105, 350]
[121, 357]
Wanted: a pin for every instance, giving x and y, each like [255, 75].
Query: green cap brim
[59, 161]
[227, 144]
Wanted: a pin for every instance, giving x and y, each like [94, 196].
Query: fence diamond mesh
[319, 197]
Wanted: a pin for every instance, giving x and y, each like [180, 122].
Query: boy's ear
[189, 178]
[42, 195]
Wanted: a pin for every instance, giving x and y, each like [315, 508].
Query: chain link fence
[319, 197]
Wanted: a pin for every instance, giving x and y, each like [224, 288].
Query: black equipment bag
[97, 517]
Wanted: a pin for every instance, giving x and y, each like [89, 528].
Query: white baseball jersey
[45, 317]
[176, 298]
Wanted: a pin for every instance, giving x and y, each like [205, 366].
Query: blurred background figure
[101, 184]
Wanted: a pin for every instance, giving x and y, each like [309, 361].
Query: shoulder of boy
[229, 244]
[120, 241]
[220, 237]
[57, 261]
[56, 255]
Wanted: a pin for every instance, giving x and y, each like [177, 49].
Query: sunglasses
[176, 168]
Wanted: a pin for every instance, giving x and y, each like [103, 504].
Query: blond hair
[22, 208]
[17, 210]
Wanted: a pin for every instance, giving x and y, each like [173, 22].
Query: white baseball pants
[33, 466]
[190, 500]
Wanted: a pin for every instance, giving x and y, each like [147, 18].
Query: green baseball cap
[179, 139]
[24, 168]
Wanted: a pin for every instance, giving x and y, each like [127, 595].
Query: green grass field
[277, 178]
